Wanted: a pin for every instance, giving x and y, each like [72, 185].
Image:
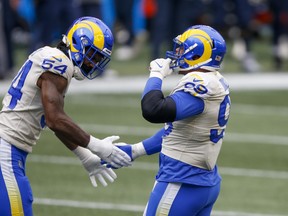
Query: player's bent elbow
[53, 123]
[158, 114]
[152, 117]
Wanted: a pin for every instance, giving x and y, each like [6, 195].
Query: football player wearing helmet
[195, 116]
[35, 100]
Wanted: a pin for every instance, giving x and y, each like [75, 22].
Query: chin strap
[65, 40]
[77, 74]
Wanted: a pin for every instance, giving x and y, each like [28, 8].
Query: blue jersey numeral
[15, 91]
[216, 135]
[48, 64]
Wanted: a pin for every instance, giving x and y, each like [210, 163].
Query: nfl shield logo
[218, 58]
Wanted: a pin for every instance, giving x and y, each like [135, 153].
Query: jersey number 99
[216, 135]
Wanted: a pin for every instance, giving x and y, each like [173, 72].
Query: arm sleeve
[155, 107]
[153, 83]
[159, 109]
[153, 144]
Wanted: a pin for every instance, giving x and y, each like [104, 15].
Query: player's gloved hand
[160, 68]
[108, 152]
[134, 151]
[92, 163]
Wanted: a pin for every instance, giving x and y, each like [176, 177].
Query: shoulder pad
[203, 85]
[55, 61]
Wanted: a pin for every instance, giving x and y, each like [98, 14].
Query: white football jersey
[22, 115]
[197, 140]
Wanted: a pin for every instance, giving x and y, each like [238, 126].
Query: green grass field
[253, 161]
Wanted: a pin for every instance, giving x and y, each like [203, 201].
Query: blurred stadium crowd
[35, 23]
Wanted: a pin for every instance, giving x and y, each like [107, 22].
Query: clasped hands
[98, 151]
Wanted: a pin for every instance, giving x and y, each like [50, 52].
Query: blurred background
[253, 161]
[256, 31]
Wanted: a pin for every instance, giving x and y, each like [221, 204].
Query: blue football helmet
[200, 46]
[90, 43]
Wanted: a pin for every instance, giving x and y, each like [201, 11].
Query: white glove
[134, 150]
[160, 68]
[108, 152]
[92, 164]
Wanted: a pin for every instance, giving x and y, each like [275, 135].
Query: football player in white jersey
[35, 100]
[195, 116]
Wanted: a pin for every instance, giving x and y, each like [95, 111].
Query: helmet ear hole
[195, 57]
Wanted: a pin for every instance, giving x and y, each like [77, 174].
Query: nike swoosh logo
[196, 80]
[160, 66]
[58, 59]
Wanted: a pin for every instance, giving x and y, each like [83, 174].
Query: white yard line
[256, 138]
[265, 110]
[273, 174]
[125, 207]
[136, 84]
[88, 205]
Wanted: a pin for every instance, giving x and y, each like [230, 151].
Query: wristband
[156, 74]
[138, 150]
[81, 152]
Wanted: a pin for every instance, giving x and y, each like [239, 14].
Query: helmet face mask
[198, 47]
[93, 63]
[90, 43]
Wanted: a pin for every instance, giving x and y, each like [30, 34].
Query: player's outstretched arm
[107, 151]
[53, 88]
[149, 146]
